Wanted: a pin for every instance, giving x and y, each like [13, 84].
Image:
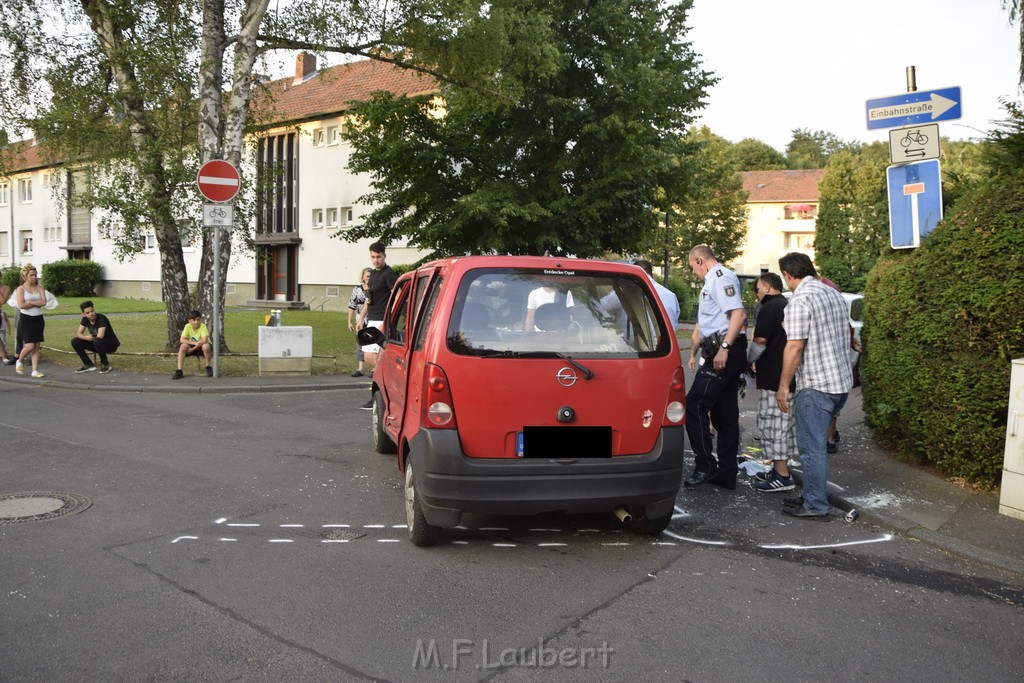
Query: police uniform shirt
[721, 294]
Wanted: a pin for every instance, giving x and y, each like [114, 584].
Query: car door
[393, 363]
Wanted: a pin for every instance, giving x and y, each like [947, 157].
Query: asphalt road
[259, 537]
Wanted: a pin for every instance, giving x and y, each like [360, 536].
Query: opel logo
[566, 377]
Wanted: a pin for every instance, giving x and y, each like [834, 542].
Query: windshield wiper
[587, 373]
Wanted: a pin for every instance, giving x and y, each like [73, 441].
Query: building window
[48, 179]
[26, 242]
[318, 137]
[4, 244]
[277, 182]
[25, 190]
[333, 135]
[346, 215]
[318, 218]
[5, 191]
[51, 233]
[332, 218]
[148, 244]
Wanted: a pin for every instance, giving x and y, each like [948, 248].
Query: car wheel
[421, 533]
[382, 443]
[652, 526]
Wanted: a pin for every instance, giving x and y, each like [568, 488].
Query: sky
[813, 64]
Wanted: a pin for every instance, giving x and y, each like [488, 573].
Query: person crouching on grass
[195, 341]
[95, 333]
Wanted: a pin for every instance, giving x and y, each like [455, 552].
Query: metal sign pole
[215, 332]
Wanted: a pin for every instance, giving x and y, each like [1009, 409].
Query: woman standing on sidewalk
[30, 298]
[355, 305]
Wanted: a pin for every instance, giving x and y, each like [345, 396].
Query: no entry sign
[218, 181]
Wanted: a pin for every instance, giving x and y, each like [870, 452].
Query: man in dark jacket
[96, 334]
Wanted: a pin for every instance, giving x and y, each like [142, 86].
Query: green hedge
[11, 277]
[941, 326]
[72, 277]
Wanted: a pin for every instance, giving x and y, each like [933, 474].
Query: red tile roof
[782, 186]
[21, 156]
[329, 91]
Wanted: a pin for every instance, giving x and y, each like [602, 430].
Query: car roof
[464, 263]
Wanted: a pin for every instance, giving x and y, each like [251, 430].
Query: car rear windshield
[586, 314]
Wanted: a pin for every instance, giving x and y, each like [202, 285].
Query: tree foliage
[558, 130]
[852, 226]
[750, 154]
[812, 149]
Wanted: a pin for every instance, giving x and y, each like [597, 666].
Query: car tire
[650, 526]
[382, 443]
[421, 533]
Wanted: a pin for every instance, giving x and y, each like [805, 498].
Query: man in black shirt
[95, 333]
[382, 281]
[766, 351]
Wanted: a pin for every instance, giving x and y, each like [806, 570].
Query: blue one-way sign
[912, 108]
[915, 202]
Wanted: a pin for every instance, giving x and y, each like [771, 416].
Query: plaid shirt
[818, 314]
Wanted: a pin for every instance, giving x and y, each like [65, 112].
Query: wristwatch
[726, 345]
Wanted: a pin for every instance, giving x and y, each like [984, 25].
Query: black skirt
[31, 328]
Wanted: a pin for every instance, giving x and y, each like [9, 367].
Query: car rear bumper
[448, 483]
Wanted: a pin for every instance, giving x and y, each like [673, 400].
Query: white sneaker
[19, 368]
[37, 374]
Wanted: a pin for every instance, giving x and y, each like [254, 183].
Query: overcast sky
[787, 64]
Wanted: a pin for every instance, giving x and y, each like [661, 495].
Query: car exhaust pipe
[623, 515]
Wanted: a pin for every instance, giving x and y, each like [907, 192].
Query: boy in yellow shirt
[195, 341]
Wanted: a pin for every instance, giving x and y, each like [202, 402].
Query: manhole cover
[37, 506]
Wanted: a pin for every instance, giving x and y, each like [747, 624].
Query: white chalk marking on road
[336, 526]
[581, 531]
[694, 540]
[373, 526]
[493, 528]
[399, 526]
[460, 542]
[790, 546]
[550, 545]
[335, 540]
[185, 538]
[616, 544]
[220, 521]
[389, 540]
[291, 526]
[280, 540]
[241, 524]
[504, 545]
[663, 543]
[555, 530]
[227, 539]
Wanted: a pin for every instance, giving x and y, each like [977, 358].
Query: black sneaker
[357, 373]
[774, 482]
[86, 368]
[794, 502]
[209, 371]
[104, 368]
[368, 405]
[178, 374]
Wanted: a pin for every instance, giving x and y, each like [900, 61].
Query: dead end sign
[218, 181]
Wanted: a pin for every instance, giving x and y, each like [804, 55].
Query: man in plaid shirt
[817, 328]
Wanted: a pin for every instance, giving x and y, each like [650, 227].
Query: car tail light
[437, 399]
[675, 409]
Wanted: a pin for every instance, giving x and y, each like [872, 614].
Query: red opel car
[524, 385]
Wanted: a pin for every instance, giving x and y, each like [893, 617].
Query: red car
[524, 385]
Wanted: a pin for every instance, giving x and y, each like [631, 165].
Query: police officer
[712, 399]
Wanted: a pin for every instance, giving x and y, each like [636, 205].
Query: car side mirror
[369, 335]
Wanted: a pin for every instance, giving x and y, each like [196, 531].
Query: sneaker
[775, 483]
[8, 361]
[368, 405]
[178, 374]
[86, 368]
[37, 374]
[19, 368]
[104, 368]
[209, 371]
[357, 373]
[794, 502]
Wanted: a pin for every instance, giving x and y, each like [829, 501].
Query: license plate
[565, 442]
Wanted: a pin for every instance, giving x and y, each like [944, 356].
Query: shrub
[941, 326]
[12, 278]
[72, 277]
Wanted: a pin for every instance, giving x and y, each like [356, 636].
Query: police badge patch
[730, 290]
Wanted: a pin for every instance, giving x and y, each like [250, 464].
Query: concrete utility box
[1011, 493]
[286, 350]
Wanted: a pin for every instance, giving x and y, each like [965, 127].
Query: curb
[186, 389]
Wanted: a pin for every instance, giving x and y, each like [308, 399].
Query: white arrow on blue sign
[912, 108]
[915, 202]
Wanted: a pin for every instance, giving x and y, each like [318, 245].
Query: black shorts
[196, 351]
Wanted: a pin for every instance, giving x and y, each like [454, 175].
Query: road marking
[694, 540]
[227, 539]
[335, 540]
[241, 524]
[790, 546]
[291, 526]
[185, 538]
[280, 540]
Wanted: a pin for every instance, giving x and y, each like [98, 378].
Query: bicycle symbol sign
[218, 215]
[914, 143]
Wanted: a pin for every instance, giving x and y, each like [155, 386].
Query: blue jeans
[812, 411]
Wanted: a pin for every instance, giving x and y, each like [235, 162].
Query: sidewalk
[886, 492]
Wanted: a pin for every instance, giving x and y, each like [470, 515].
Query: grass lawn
[142, 329]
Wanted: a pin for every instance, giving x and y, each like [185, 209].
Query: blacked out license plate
[566, 442]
